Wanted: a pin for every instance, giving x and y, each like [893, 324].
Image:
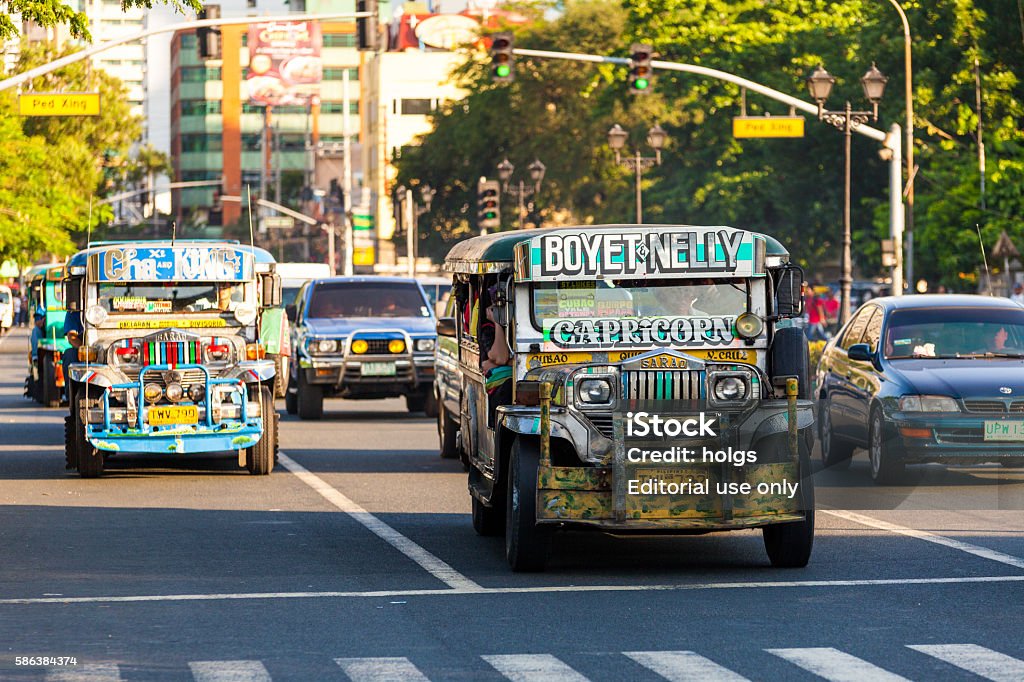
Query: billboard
[285, 66]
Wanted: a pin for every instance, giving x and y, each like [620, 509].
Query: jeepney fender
[779, 422]
[252, 371]
[97, 375]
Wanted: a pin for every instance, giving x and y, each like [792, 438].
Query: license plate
[179, 414]
[378, 369]
[1004, 431]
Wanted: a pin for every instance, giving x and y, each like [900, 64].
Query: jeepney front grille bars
[646, 385]
[171, 352]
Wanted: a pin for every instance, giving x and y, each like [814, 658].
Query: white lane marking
[533, 668]
[430, 563]
[982, 552]
[384, 594]
[684, 666]
[381, 670]
[229, 671]
[836, 665]
[983, 662]
[90, 672]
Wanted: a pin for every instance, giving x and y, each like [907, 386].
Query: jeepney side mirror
[446, 327]
[271, 286]
[73, 294]
[789, 300]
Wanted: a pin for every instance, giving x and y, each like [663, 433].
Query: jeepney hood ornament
[664, 360]
[171, 336]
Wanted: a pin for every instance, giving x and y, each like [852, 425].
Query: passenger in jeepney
[496, 358]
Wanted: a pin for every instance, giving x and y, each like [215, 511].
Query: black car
[932, 378]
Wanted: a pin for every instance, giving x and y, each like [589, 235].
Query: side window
[469, 315]
[300, 300]
[856, 328]
[873, 330]
[450, 307]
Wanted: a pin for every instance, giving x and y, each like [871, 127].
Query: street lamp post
[522, 191]
[411, 213]
[820, 86]
[656, 138]
[909, 103]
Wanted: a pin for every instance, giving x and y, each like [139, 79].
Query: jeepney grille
[168, 352]
[188, 377]
[603, 423]
[648, 385]
[985, 406]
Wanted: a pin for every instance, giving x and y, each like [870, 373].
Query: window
[199, 107]
[856, 328]
[245, 39]
[334, 73]
[290, 109]
[339, 40]
[199, 74]
[873, 330]
[211, 142]
[416, 107]
[955, 332]
[338, 107]
[251, 142]
[193, 176]
[188, 42]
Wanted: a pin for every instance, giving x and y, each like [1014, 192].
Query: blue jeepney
[169, 355]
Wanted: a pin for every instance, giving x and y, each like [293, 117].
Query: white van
[294, 275]
[6, 309]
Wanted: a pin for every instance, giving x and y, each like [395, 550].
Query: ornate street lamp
[521, 191]
[656, 139]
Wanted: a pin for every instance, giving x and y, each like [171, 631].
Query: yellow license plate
[179, 414]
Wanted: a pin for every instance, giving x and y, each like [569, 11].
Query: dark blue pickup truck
[362, 338]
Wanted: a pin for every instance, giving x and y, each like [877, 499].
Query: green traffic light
[490, 215]
[641, 83]
[502, 71]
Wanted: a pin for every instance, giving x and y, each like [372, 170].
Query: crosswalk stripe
[684, 666]
[229, 671]
[836, 665]
[397, 669]
[533, 668]
[983, 662]
[90, 672]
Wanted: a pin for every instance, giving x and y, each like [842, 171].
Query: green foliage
[50, 13]
[791, 188]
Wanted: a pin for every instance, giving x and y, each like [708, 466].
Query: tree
[50, 13]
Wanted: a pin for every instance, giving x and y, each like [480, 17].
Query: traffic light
[640, 72]
[488, 200]
[208, 37]
[503, 67]
[367, 33]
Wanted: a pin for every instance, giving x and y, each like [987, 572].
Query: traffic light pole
[27, 76]
[890, 142]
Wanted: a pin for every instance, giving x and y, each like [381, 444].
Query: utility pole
[347, 175]
[411, 232]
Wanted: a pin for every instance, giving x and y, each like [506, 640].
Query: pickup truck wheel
[487, 521]
[834, 452]
[49, 392]
[789, 545]
[309, 399]
[447, 434]
[259, 459]
[88, 459]
[526, 543]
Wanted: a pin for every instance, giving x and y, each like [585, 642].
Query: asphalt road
[355, 559]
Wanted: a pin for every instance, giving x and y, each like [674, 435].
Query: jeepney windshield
[638, 298]
[134, 298]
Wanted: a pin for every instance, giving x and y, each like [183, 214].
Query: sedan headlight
[730, 388]
[928, 403]
[594, 391]
[424, 345]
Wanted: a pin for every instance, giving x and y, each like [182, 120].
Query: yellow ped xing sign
[768, 126]
[59, 104]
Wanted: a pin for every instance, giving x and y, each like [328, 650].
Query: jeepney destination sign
[674, 252]
[170, 264]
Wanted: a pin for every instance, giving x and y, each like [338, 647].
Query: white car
[6, 309]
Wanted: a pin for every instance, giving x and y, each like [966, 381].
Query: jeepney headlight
[396, 346]
[326, 346]
[245, 314]
[196, 393]
[749, 326]
[424, 345]
[594, 391]
[175, 392]
[730, 388]
[96, 315]
[152, 392]
[360, 346]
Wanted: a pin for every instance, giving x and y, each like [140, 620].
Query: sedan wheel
[885, 468]
[834, 452]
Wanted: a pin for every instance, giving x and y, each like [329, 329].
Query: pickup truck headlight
[928, 403]
[594, 391]
[424, 345]
[325, 346]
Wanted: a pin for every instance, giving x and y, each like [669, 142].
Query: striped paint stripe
[381, 670]
[533, 668]
[229, 671]
[88, 672]
[983, 662]
[684, 666]
[836, 665]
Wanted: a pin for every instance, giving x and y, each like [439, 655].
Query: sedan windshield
[367, 299]
[955, 333]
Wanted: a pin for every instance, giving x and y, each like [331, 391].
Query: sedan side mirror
[860, 352]
[446, 327]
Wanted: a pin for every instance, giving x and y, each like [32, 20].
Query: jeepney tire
[526, 543]
[835, 453]
[70, 444]
[447, 434]
[790, 356]
[291, 399]
[280, 383]
[789, 545]
[886, 469]
[430, 407]
[259, 459]
[48, 375]
[309, 399]
[88, 459]
[487, 521]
